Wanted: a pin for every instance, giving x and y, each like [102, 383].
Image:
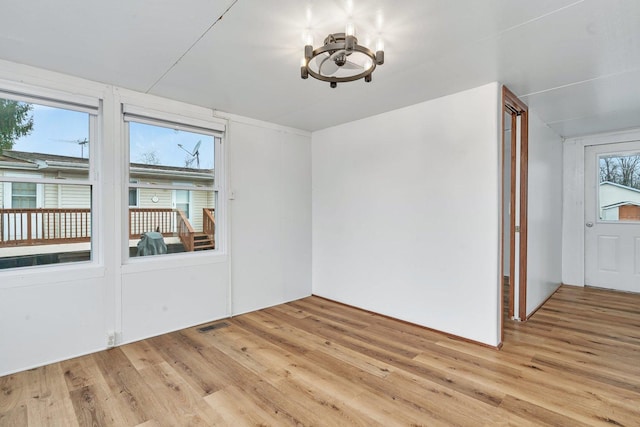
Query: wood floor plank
[92, 406]
[177, 396]
[141, 354]
[12, 391]
[16, 416]
[49, 402]
[576, 362]
[133, 397]
[81, 372]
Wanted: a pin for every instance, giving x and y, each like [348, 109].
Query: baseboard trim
[543, 302]
[447, 334]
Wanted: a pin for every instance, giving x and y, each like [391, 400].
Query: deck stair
[202, 242]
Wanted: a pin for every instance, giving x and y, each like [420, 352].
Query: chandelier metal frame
[339, 46]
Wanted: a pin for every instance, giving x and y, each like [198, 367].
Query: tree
[608, 169]
[15, 122]
[629, 169]
[150, 158]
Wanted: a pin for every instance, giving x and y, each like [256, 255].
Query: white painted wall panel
[49, 322]
[544, 245]
[406, 212]
[296, 217]
[161, 299]
[573, 213]
[270, 172]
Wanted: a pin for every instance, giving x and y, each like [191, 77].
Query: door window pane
[619, 187]
[182, 201]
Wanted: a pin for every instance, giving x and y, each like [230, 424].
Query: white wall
[544, 244]
[573, 200]
[49, 313]
[406, 210]
[270, 214]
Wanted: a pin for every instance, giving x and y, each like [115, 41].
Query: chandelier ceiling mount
[341, 59]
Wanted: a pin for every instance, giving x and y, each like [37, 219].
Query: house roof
[27, 160]
[618, 204]
[624, 187]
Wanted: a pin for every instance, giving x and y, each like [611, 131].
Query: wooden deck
[315, 362]
[21, 228]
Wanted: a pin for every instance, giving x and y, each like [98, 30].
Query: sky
[59, 131]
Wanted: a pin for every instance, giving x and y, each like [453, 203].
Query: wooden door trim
[515, 107]
[524, 204]
[512, 216]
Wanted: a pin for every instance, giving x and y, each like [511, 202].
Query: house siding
[50, 196]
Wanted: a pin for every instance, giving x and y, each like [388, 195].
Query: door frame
[174, 200]
[515, 108]
[592, 153]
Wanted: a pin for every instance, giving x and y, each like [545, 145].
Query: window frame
[600, 215]
[83, 104]
[8, 190]
[212, 127]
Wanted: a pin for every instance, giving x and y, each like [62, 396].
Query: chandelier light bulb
[350, 29]
[307, 37]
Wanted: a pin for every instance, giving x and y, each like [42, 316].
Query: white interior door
[612, 216]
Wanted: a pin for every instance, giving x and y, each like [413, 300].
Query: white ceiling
[576, 63]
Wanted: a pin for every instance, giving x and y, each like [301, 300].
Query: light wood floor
[314, 362]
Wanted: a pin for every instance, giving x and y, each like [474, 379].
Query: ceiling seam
[581, 117]
[191, 47]
[606, 76]
[537, 18]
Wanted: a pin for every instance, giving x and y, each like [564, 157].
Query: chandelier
[341, 59]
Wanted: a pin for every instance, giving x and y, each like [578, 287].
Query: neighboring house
[150, 208]
[619, 202]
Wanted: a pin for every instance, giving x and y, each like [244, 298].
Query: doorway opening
[515, 147]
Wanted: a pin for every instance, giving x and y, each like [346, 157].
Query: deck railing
[44, 226]
[163, 220]
[24, 227]
[186, 233]
[209, 224]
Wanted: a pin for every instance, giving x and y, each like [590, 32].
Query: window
[46, 183]
[172, 170]
[23, 195]
[133, 194]
[619, 187]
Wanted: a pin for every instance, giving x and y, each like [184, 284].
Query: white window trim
[49, 97]
[62, 100]
[166, 119]
[7, 199]
[209, 126]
